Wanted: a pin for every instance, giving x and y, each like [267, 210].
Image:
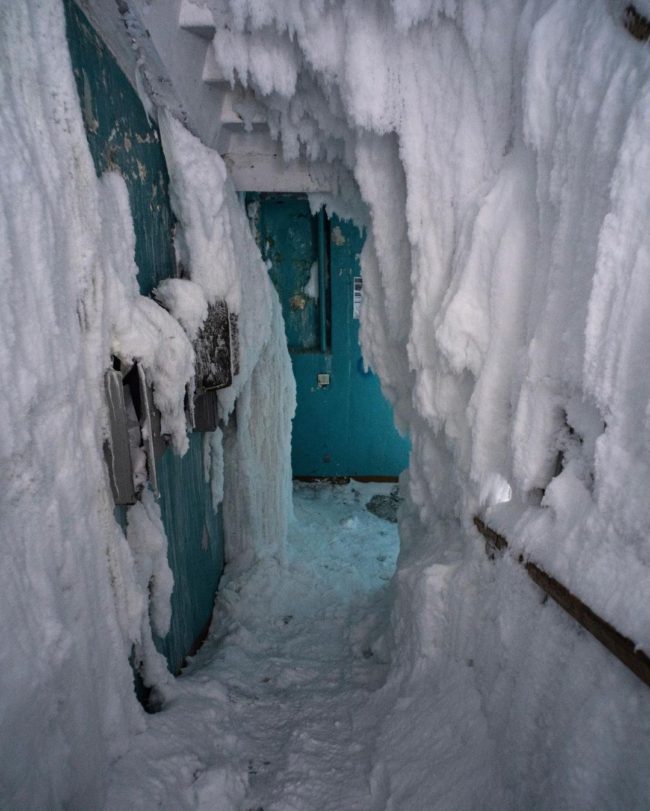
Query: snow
[78, 598]
[222, 258]
[186, 301]
[519, 165]
[499, 150]
[499, 154]
[67, 694]
[148, 543]
[197, 190]
[311, 288]
[266, 716]
[140, 330]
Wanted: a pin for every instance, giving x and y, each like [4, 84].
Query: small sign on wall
[357, 292]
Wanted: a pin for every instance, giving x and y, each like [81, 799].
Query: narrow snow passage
[268, 714]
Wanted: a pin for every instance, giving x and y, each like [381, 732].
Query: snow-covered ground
[270, 713]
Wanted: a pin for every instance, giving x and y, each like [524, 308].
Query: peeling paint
[337, 236]
[91, 123]
[122, 138]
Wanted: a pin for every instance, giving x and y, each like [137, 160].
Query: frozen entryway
[343, 425]
[271, 712]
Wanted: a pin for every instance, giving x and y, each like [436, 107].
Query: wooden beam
[493, 541]
[616, 643]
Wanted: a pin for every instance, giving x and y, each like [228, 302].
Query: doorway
[343, 425]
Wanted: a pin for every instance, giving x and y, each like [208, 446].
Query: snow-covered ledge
[166, 50]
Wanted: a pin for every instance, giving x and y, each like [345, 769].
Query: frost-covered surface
[148, 542]
[77, 597]
[268, 714]
[501, 150]
[70, 604]
[139, 329]
[186, 301]
[221, 258]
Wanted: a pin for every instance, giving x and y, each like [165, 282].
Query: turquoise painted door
[122, 139]
[343, 425]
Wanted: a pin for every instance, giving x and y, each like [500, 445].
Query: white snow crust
[263, 717]
[222, 258]
[501, 151]
[77, 597]
[67, 588]
[186, 301]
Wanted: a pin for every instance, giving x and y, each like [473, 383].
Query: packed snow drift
[263, 715]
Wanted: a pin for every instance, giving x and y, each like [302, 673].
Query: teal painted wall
[121, 138]
[346, 428]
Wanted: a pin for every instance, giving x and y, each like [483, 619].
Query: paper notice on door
[357, 291]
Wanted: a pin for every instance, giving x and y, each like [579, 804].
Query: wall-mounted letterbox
[212, 348]
[135, 441]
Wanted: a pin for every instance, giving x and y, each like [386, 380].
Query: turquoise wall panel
[290, 243]
[121, 138]
[345, 428]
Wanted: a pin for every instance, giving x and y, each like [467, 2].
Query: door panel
[343, 425]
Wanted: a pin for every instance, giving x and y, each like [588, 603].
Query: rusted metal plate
[234, 343]
[212, 348]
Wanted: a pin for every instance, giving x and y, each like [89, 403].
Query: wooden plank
[493, 541]
[620, 646]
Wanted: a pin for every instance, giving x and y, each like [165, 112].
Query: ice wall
[77, 597]
[68, 598]
[221, 257]
[501, 150]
